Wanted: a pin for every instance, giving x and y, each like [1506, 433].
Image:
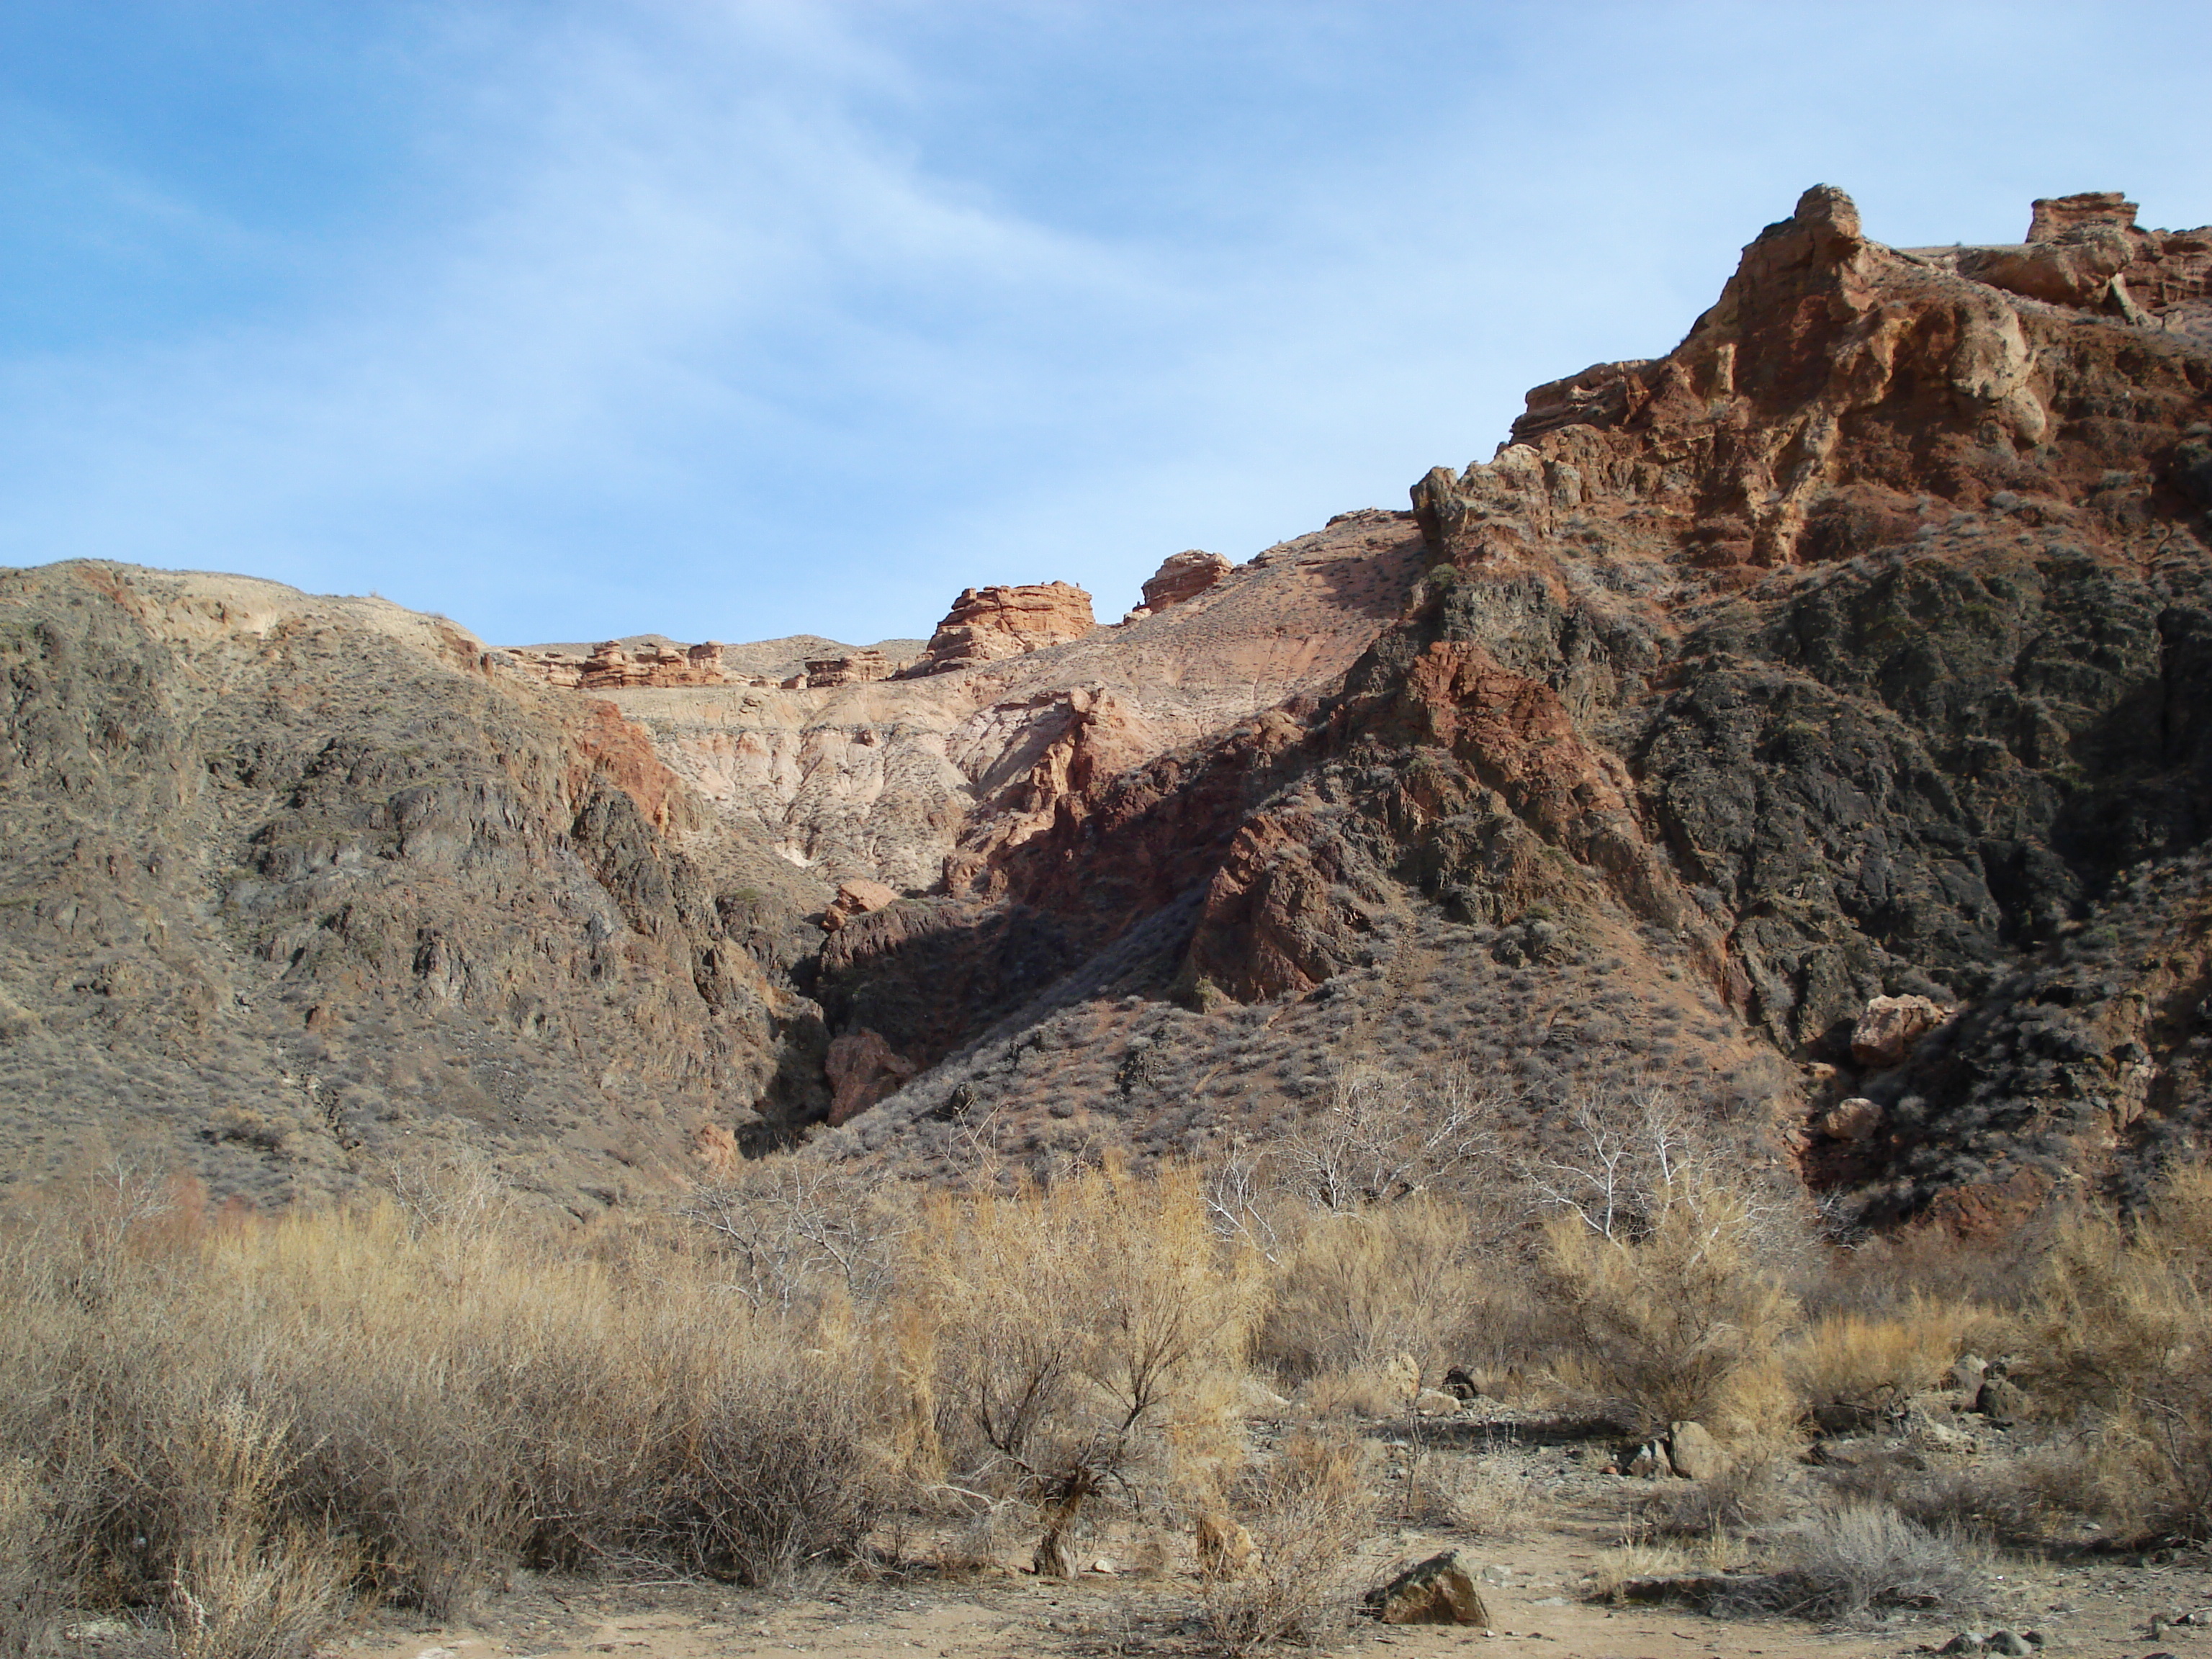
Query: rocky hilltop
[1812, 720]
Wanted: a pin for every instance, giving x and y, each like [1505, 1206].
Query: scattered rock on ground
[1693, 1453]
[1437, 1591]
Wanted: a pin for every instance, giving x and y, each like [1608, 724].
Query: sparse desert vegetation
[238, 1431]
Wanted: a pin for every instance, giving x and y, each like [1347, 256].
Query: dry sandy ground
[2090, 1609]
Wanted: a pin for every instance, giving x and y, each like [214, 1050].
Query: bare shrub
[1387, 1132]
[1307, 1509]
[1863, 1557]
[1063, 1339]
[1350, 1289]
[1748, 1493]
[1680, 1322]
[794, 1231]
[777, 1477]
[237, 1597]
[1487, 1497]
[238, 1420]
[2124, 1322]
[32, 1583]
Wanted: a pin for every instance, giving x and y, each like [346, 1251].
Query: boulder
[1967, 1373]
[1435, 1402]
[1183, 576]
[1890, 1026]
[1855, 1119]
[2001, 1401]
[857, 897]
[1693, 1453]
[1437, 1591]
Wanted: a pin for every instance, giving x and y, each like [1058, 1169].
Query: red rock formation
[611, 667]
[1183, 576]
[856, 898]
[862, 668]
[986, 623]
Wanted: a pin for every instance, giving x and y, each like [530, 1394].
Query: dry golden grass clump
[2123, 1326]
[241, 1424]
[1305, 1511]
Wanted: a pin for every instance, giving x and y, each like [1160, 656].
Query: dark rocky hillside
[1860, 648]
[296, 887]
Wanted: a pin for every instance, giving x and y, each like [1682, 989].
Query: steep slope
[1811, 720]
[1851, 650]
[297, 886]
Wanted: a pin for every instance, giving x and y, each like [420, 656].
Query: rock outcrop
[612, 666]
[856, 897]
[1817, 718]
[1813, 664]
[860, 668]
[1183, 576]
[302, 887]
[862, 1069]
[986, 623]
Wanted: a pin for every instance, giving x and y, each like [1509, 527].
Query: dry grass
[1058, 1342]
[1848, 1358]
[1350, 1290]
[241, 1425]
[1864, 1557]
[2124, 1324]
[1307, 1511]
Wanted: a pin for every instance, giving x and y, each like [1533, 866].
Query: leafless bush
[1307, 1511]
[1350, 1290]
[2123, 1322]
[1062, 1341]
[1747, 1493]
[1681, 1323]
[1864, 1557]
[238, 1420]
[31, 1580]
[778, 1477]
[792, 1229]
[1667, 1262]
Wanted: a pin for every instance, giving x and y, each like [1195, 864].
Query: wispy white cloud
[744, 318]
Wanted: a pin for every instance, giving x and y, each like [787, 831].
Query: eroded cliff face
[1853, 649]
[1812, 719]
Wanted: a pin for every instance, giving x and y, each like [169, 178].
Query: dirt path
[1541, 1608]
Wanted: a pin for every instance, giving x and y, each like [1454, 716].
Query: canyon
[1814, 722]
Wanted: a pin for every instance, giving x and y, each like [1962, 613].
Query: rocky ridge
[1812, 720]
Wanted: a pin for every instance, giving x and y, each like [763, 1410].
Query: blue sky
[732, 320]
